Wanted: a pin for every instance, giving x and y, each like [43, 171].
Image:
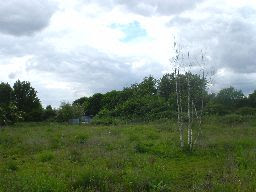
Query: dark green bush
[246, 111]
[232, 119]
[68, 111]
[104, 121]
[46, 156]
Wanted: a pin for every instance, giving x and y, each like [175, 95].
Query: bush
[81, 139]
[246, 111]
[104, 121]
[68, 111]
[9, 114]
[49, 114]
[11, 166]
[216, 109]
[233, 119]
[46, 156]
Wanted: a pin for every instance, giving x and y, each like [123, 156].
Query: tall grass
[131, 157]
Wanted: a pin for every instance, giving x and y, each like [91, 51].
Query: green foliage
[233, 119]
[8, 110]
[246, 111]
[166, 86]
[9, 114]
[80, 101]
[230, 97]
[112, 99]
[147, 87]
[46, 156]
[18, 103]
[94, 104]
[68, 111]
[213, 108]
[105, 120]
[252, 99]
[6, 93]
[145, 101]
[153, 99]
[145, 108]
[81, 138]
[11, 165]
[49, 113]
[25, 97]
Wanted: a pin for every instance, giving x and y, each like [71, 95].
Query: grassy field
[135, 157]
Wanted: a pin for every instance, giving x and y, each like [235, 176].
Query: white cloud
[68, 49]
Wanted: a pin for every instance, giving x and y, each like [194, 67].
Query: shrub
[104, 121]
[233, 119]
[11, 165]
[9, 114]
[46, 156]
[246, 111]
[81, 139]
[216, 109]
[68, 111]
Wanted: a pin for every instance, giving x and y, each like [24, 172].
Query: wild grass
[130, 157]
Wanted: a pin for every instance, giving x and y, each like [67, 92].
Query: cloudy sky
[73, 48]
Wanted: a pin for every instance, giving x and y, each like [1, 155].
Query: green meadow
[47, 157]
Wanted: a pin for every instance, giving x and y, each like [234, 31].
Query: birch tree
[189, 95]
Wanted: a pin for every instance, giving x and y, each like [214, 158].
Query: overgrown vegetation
[154, 99]
[149, 100]
[139, 148]
[133, 157]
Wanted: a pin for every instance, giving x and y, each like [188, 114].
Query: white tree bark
[179, 110]
[190, 143]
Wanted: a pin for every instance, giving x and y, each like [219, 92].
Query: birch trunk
[189, 114]
[179, 110]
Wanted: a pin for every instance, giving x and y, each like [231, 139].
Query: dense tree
[147, 86]
[25, 97]
[68, 111]
[49, 113]
[9, 112]
[230, 98]
[6, 92]
[252, 99]
[166, 86]
[81, 101]
[112, 99]
[154, 99]
[94, 104]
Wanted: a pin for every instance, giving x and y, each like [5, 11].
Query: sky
[73, 48]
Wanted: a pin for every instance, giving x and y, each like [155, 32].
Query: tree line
[148, 100]
[154, 99]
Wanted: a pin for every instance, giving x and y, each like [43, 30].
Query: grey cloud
[228, 37]
[244, 82]
[230, 41]
[150, 7]
[25, 17]
[91, 71]
[237, 47]
[178, 20]
[12, 75]
[161, 7]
